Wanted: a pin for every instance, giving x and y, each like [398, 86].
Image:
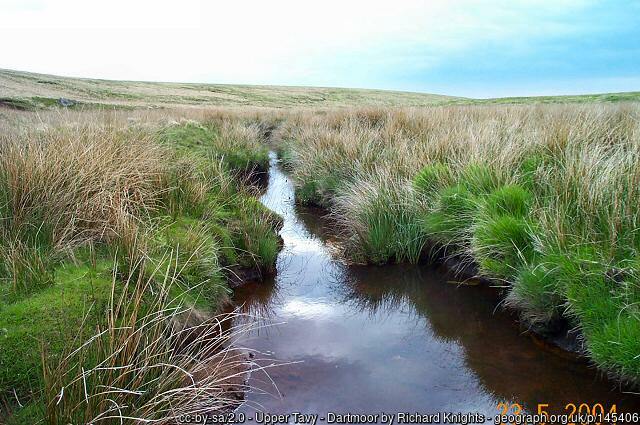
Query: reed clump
[141, 365]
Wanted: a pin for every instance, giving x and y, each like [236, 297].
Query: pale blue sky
[467, 48]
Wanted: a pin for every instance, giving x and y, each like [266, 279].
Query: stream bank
[394, 338]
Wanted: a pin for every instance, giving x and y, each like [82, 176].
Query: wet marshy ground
[367, 339]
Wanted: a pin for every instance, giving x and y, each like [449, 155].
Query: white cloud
[289, 41]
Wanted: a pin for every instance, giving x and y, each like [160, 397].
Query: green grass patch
[432, 178]
[20, 104]
[49, 317]
[189, 136]
[308, 193]
[238, 146]
[254, 233]
[451, 220]
[606, 306]
[388, 225]
[196, 260]
[318, 190]
[503, 235]
[35, 103]
[501, 245]
[480, 179]
[535, 292]
[511, 200]
[27, 252]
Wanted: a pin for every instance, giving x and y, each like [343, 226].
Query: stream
[398, 338]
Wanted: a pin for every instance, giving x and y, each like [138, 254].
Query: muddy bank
[558, 336]
[241, 275]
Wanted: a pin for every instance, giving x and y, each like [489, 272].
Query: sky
[464, 48]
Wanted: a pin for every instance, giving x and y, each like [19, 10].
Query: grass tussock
[543, 198]
[67, 187]
[381, 219]
[140, 365]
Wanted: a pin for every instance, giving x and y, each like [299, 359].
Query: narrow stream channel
[394, 339]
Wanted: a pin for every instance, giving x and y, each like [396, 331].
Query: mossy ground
[50, 317]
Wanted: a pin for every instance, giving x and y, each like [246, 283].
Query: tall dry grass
[592, 151]
[72, 179]
[85, 180]
[70, 185]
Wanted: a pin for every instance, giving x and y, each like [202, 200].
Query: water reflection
[394, 338]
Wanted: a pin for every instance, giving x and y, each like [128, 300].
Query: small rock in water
[66, 102]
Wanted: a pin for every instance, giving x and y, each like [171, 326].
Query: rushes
[142, 366]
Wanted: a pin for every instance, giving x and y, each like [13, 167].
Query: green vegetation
[46, 317]
[384, 223]
[143, 362]
[105, 225]
[17, 103]
[541, 198]
[452, 216]
[240, 146]
[432, 178]
[502, 239]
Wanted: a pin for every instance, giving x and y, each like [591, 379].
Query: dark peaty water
[394, 338]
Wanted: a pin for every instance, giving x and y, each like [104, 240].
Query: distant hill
[29, 90]
[631, 96]
[26, 90]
